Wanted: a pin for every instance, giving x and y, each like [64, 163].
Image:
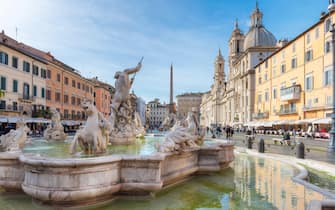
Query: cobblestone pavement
[315, 149]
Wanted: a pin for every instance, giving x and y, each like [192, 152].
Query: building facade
[295, 82]
[102, 96]
[232, 100]
[188, 102]
[157, 113]
[35, 81]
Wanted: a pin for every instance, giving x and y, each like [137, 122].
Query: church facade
[231, 98]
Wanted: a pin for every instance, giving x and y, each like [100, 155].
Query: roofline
[321, 19]
[25, 53]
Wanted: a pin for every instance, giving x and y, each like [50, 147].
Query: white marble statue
[169, 122]
[55, 131]
[184, 135]
[92, 138]
[15, 139]
[122, 118]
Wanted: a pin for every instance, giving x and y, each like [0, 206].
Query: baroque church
[231, 98]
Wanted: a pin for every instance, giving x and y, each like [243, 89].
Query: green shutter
[3, 83]
[15, 84]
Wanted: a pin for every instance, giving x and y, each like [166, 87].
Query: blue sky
[103, 36]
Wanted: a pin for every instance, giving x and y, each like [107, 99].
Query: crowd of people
[218, 131]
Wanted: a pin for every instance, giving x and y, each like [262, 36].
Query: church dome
[258, 35]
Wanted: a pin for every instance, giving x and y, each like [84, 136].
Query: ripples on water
[251, 183]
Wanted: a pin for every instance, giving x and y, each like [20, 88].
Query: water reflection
[251, 183]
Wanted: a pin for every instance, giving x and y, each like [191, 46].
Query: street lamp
[331, 146]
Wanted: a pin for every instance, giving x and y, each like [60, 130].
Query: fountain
[97, 176]
[123, 129]
[55, 131]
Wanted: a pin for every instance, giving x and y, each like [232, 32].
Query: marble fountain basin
[85, 181]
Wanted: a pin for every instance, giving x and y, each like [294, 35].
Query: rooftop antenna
[16, 33]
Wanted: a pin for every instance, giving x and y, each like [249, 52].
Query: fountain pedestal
[84, 181]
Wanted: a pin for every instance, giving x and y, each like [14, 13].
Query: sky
[100, 37]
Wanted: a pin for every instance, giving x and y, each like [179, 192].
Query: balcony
[11, 108]
[26, 98]
[260, 115]
[290, 93]
[287, 111]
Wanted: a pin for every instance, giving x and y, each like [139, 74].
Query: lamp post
[331, 146]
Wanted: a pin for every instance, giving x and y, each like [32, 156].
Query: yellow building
[294, 83]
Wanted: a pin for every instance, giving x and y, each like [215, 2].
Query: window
[265, 76]
[329, 100]
[66, 80]
[58, 77]
[3, 83]
[259, 98]
[283, 55]
[273, 72]
[4, 58]
[48, 74]
[66, 99]
[73, 83]
[274, 93]
[309, 83]
[35, 70]
[49, 95]
[294, 63]
[66, 113]
[73, 100]
[327, 77]
[15, 84]
[259, 80]
[317, 32]
[328, 25]
[309, 103]
[78, 85]
[83, 86]
[42, 92]
[78, 101]
[15, 62]
[293, 47]
[316, 100]
[26, 66]
[328, 46]
[57, 96]
[308, 38]
[2, 104]
[309, 55]
[26, 91]
[283, 68]
[266, 63]
[274, 60]
[14, 105]
[35, 90]
[266, 96]
[43, 73]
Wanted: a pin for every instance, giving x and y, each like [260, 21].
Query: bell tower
[219, 75]
[236, 43]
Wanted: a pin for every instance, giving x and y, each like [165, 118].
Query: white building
[23, 79]
[231, 101]
[157, 113]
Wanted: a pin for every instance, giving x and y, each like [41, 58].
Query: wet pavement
[315, 149]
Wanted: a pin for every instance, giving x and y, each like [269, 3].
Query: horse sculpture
[94, 135]
[15, 139]
[182, 137]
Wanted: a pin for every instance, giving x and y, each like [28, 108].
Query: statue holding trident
[121, 118]
[123, 85]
